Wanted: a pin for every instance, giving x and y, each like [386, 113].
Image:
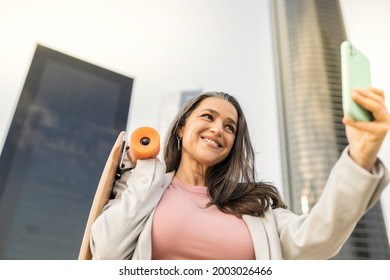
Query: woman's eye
[230, 128]
[208, 116]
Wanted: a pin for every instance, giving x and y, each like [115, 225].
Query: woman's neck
[192, 176]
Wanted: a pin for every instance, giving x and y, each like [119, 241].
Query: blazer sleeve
[115, 232]
[349, 193]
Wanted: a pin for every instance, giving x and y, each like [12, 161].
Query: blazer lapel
[265, 236]
[143, 250]
[259, 237]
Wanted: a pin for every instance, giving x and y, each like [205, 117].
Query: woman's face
[209, 132]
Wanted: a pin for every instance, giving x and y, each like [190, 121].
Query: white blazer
[123, 230]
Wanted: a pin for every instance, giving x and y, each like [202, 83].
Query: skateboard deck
[103, 193]
[145, 143]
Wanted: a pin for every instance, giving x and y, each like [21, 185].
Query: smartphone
[355, 73]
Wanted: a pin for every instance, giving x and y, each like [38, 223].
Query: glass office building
[69, 114]
[307, 39]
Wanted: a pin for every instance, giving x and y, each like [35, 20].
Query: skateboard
[145, 143]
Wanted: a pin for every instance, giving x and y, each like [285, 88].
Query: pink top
[184, 229]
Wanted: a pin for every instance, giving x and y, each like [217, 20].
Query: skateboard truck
[121, 166]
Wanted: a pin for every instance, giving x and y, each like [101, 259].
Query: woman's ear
[180, 132]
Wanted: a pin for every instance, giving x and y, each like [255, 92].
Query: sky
[175, 45]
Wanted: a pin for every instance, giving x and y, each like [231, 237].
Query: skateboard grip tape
[145, 142]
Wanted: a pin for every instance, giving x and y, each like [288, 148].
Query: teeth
[211, 142]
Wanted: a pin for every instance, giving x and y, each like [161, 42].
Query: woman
[203, 202]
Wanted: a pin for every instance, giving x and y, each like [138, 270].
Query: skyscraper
[68, 116]
[307, 37]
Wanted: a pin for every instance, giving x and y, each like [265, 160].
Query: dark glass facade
[307, 37]
[69, 115]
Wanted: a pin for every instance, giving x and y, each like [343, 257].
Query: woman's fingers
[371, 92]
[374, 128]
[365, 138]
[373, 100]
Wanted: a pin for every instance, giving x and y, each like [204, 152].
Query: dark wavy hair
[231, 184]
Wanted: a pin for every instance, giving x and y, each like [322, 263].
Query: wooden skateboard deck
[103, 193]
[145, 143]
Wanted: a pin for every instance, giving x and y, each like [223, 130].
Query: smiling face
[208, 134]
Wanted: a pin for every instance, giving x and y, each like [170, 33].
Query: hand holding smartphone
[355, 73]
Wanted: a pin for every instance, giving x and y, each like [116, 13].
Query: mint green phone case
[355, 73]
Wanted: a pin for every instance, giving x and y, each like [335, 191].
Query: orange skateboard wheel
[145, 142]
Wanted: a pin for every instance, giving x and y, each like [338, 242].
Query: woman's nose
[216, 128]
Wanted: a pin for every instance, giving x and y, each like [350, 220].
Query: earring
[178, 142]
